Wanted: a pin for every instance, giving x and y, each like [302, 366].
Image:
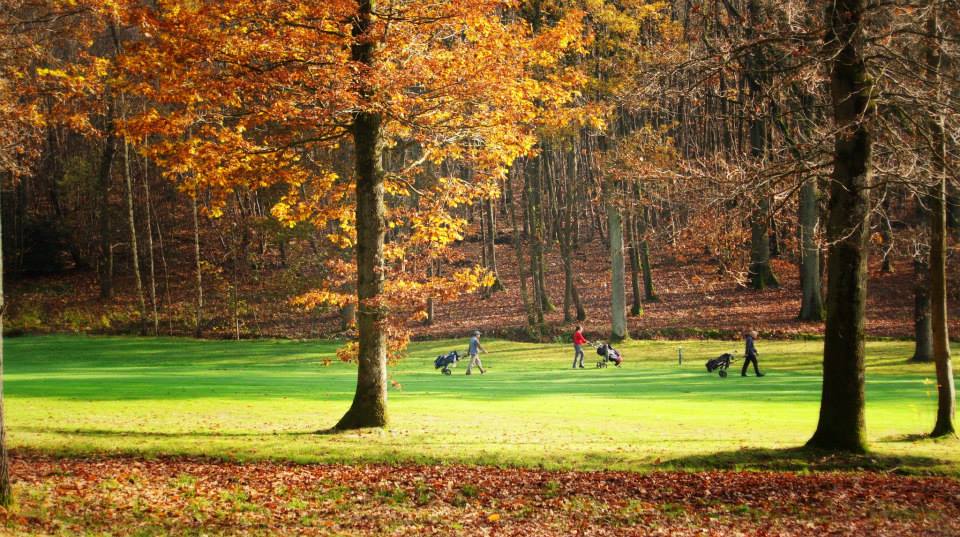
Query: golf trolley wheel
[723, 373]
[447, 372]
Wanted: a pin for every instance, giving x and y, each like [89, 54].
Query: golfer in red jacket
[578, 342]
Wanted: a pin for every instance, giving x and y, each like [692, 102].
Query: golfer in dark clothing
[750, 355]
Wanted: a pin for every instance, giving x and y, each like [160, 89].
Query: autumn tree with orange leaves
[248, 95]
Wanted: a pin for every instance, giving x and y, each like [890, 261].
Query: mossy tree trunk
[841, 425]
[369, 407]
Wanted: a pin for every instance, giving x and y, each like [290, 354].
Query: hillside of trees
[674, 165]
[695, 296]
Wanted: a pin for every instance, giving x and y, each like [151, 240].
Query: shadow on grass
[807, 459]
[107, 433]
[918, 437]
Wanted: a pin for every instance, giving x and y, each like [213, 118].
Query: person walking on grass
[750, 354]
[475, 349]
[578, 342]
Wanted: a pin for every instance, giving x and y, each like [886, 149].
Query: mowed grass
[267, 399]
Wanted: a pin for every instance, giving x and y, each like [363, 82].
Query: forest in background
[692, 138]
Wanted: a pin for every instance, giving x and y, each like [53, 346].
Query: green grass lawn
[266, 399]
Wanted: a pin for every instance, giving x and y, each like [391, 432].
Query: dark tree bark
[198, 329]
[566, 230]
[636, 308]
[761, 274]
[842, 424]
[490, 238]
[923, 330]
[518, 249]
[648, 291]
[537, 238]
[6, 493]
[104, 173]
[953, 207]
[535, 245]
[649, 294]
[369, 408]
[811, 304]
[886, 233]
[946, 392]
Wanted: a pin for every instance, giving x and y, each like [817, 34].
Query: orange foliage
[249, 95]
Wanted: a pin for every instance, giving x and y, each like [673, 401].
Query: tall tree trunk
[134, 250]
[432, 270]
[535, 246]
[566, 229]
[761, 275]
[946, 392]
[6, 493]
[518, 249]
[637, 307]
[842, 425]
[198, 329]
[886, 233]
[105, 271]
[150, 257]
[581, 311]
[811, 304]
[490, 245]
[537, 239]
[923, 330]
[618, 299]
[369, 408]
[649, 294]
[163, 263]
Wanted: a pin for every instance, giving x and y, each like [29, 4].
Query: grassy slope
[69, 394]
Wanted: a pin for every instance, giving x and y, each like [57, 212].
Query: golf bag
[720, 364]
[608, 354]
[446, 361]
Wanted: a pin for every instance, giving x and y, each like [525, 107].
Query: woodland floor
[123, 496]
[696, 301]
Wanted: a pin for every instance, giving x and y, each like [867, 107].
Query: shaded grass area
[265, 399]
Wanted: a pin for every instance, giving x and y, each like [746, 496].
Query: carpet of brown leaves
[180, 496]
